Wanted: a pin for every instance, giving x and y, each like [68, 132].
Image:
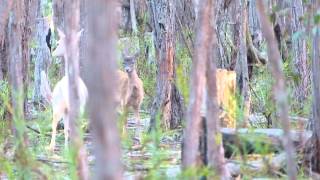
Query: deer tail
[45, 89]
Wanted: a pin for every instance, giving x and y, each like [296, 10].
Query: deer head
[129, 62]
[61, 44]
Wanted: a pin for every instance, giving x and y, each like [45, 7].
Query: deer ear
[79, 33]
[61, 33]
[136, 55]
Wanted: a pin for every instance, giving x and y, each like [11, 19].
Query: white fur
[60, 95]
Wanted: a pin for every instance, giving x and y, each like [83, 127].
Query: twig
[49, 161]
[37, 131]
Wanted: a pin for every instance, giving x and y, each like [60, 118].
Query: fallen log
[266, 165]
[246, 141]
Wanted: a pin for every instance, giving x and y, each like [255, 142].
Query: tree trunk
[312, 154]
[133, 17]
[84, 36]
[299, 51]
[5, 8]
[241, 59]
[16, 60]
[58, 13]
[279, 91]
[101, 82]
[59, 22]
[215, 152]
[72, 16]
[42, 52]
[203, 43]
[168, 101]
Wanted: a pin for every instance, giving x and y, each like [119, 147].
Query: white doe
[59, 97]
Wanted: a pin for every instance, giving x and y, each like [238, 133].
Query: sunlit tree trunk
[279, 91]
[101, 79]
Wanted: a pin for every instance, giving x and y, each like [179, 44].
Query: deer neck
[133, 74]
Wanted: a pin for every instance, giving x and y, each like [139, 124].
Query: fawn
[131, 93]
[59, 97]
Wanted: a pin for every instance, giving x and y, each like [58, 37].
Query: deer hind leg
[66, 129]
[55, 120]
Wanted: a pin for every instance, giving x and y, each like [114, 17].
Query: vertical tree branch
[133, 17]
[101, 82]
[214, 138]
[202, 44]
[279, 91]
[72, 15]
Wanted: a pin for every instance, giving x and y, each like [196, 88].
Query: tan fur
[131, 87]
[226, 90]
[136, 94]
[122, 89]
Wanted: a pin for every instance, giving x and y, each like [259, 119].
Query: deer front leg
[55, 121]
[137, 115]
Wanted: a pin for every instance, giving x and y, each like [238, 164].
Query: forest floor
[144, 155]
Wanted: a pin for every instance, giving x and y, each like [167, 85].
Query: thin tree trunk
[59, 12]
[312, 151]
[15, 55]
[101, 82]
[315, 160]
[72, 17]
[133, 17]
[5, 8]
[299, 50]
[203, 43]
[214, 138]
[242, 63]
[42, 52]
[84, 36]
[279, 91]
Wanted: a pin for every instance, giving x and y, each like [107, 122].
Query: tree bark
[215, 152]
[241, 59]
[133, 17]
[15, 56]
[59, 22]
[72, 16]
[5, 8]
[312, 154]
[58, 13]
[168, 101]
[299, 51]
[101, 82]
[279, 91]
[42, 52]
[203, 43]
[84, 36]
